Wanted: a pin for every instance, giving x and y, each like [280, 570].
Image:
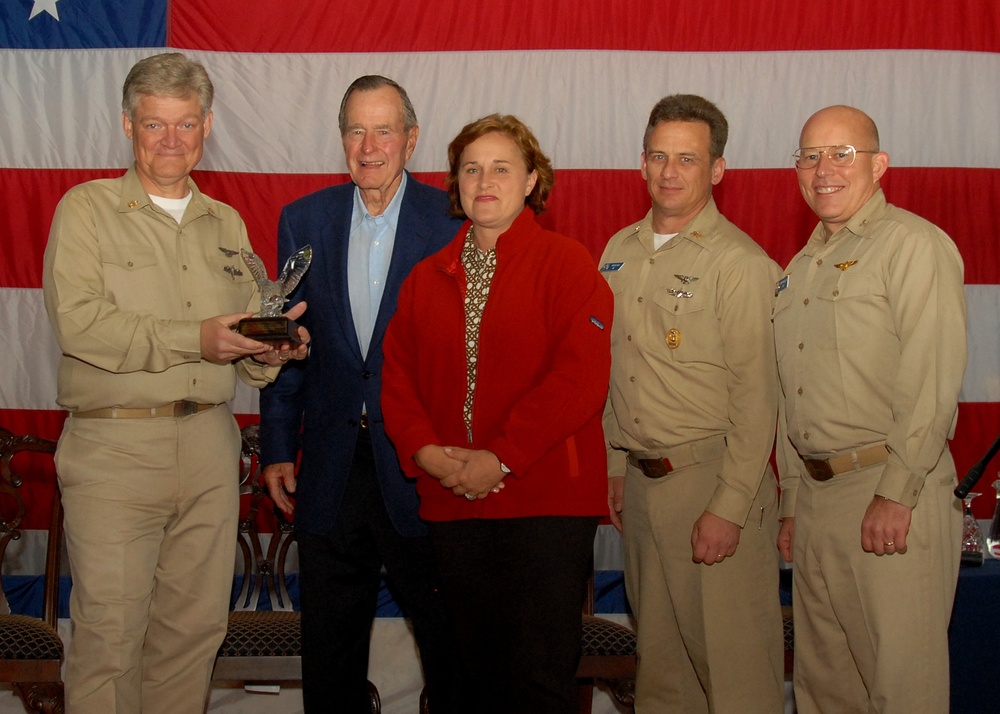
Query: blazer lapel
[338, 231]
[409, 247]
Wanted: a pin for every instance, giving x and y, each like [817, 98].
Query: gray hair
[169, 74]
[371, 82]
[691, 107]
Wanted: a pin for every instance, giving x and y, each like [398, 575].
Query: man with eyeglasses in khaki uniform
[870, 337]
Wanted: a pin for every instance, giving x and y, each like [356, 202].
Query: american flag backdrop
[582, 73]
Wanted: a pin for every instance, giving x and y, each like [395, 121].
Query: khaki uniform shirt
[870, 336]
[692, 350]
[126, 289]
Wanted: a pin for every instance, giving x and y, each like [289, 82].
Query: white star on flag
[41, 6]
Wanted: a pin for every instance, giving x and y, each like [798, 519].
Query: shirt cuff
[256, 374]
[898, 484]
[617, 459]
[730, 504]
[786, 509]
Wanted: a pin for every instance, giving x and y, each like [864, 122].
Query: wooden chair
[263, 647]
[788, 624]
[608, 657]
[30, 649]
[787, 621]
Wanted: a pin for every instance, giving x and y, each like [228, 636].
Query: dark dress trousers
[355, 512]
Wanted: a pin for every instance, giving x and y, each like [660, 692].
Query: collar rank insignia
[674, 292]
[233, 271]
[228, 253]
[846, 264]
[686, 279]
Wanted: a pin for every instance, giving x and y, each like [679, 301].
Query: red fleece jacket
[542, 381]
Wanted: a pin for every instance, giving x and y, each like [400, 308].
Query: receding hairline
[851, 119]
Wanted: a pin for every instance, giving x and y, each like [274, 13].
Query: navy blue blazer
[322, 396]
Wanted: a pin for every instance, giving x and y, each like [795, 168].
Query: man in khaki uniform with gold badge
[870, 332]
[690, 425]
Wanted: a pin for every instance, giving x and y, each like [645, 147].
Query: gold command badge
[674, 338]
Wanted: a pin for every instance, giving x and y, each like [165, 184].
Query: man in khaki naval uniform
[870, 333]
[142, 282]
[690, 425]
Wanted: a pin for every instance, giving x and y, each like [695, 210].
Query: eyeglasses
[841, 156]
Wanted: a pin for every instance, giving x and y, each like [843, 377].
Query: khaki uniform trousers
[709, 637]
[151, 509]
[871, 632]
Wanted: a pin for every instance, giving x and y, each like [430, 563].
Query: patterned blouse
[479, 269]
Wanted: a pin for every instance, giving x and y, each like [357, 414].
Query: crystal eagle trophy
[269, 325]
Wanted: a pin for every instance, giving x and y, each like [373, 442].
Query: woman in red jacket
[495, 378]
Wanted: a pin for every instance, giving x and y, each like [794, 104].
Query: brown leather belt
[182, 408]
[844, 461]
[665, 462]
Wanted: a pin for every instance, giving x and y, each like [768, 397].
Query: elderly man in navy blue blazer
[354, 509]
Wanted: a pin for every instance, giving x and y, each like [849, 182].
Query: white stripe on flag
[29, 353]
[277, 113]
[29, 356]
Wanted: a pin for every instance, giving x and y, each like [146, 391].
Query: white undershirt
[174, 206]
[660, 239]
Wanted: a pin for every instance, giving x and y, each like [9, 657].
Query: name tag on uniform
[611, 267]
[598, 323]
[780, 285]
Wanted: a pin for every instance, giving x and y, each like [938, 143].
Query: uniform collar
[698, 230]
[135, 198]
[861, 223]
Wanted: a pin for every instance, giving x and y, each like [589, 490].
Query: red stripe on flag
[978, 426]
[589, 205]
[636, 25]
[40, 469]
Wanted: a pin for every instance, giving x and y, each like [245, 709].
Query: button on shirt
[870, 337]
[369, 253]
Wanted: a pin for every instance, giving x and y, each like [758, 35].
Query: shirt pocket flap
[129, 257]
[844, 286]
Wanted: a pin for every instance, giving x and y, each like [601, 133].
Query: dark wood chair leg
[46, 697]
[586, 689]
[376, 701]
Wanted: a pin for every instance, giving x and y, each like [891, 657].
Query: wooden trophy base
[270, 329]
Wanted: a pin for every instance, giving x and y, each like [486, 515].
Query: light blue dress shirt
[369, 252]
